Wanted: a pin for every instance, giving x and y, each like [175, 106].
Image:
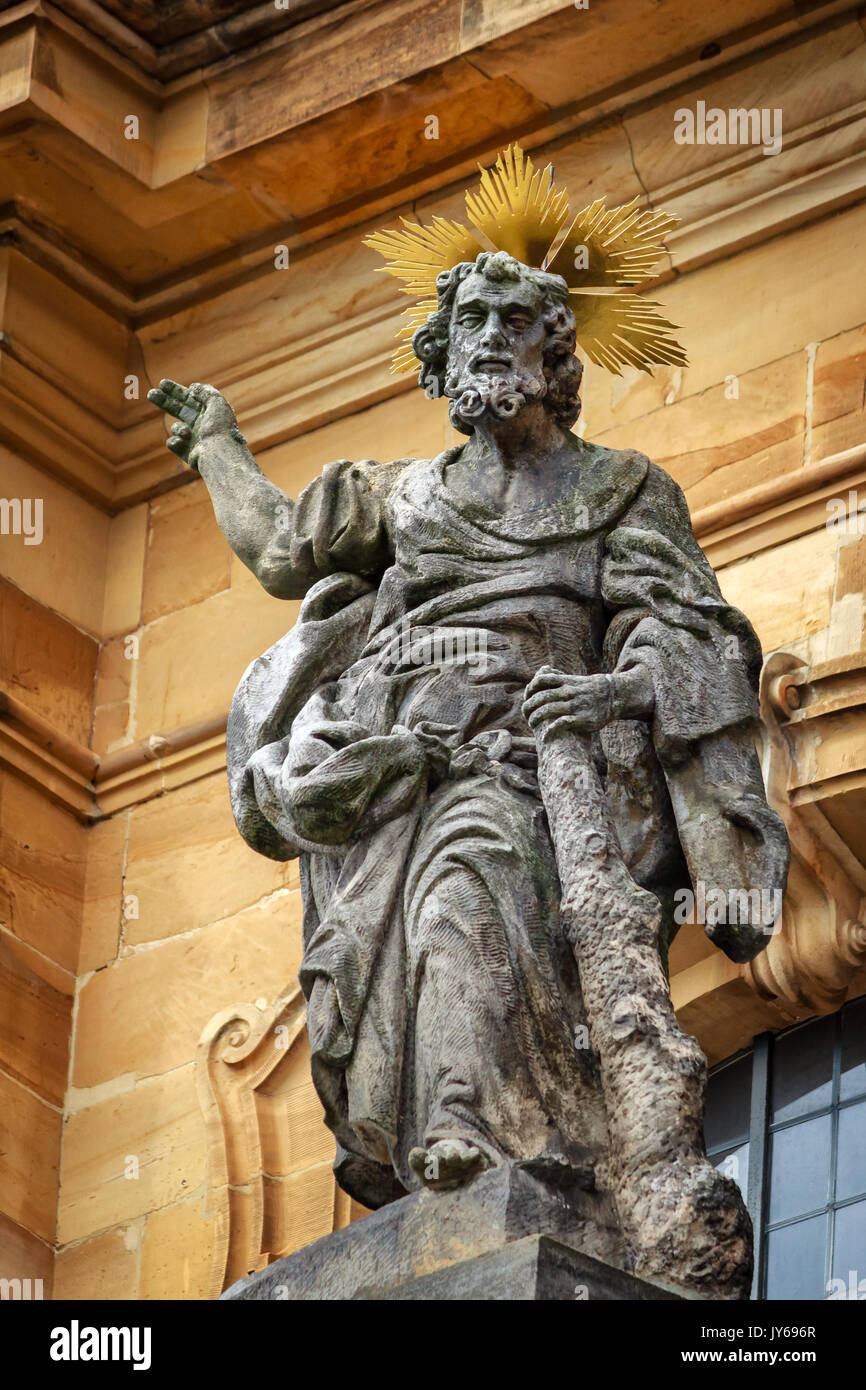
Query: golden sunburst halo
[517, 209]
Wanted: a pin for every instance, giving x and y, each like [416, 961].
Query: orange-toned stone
[102, 913]
[187, 864]
[303, 1209]
[728, 438]
[35, 1019]
[786, 592]
[46, 663]
[155, 1131]
[29, 1157]
[124, 570]
[176, 1252]
[42, 872]
[187, 555]
[839, 418]
[191, 661]
[23, 1256]
[144, 1013]
[104, 1268]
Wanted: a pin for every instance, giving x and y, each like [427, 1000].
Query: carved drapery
[265, 1132]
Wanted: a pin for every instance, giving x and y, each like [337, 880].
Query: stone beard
[490, 848]
[476, 395]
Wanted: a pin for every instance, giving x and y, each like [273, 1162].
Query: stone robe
[382, 741]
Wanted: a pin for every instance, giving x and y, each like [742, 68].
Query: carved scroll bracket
[814, 723]
[271, 1185]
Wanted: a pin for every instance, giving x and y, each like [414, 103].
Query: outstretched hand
[199, 411]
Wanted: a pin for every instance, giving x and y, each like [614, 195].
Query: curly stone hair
[562, 370]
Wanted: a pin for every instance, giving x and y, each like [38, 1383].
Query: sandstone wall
[130, 910]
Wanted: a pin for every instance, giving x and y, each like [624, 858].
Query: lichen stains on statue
[489, 849]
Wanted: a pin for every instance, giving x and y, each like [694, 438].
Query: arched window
[787, 1120]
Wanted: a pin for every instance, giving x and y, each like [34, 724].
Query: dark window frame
[762, 1128]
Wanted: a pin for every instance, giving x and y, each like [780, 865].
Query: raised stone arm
[250, 510]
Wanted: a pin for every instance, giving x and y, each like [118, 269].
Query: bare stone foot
[447, 1163]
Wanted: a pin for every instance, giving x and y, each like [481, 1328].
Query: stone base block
[527, 1270]
[515, 1227]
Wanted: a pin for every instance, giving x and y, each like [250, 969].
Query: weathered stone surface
[165, 995]
[105, 1267]
[536, 1268]
[485, 984]
[429, 1231]
[129, 1154]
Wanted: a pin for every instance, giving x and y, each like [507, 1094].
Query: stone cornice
[777, 511]
[93, 787]
[114, 454]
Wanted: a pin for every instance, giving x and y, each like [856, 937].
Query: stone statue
[515, 717]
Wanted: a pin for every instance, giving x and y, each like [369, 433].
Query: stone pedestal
[513, 1233]
[527, 1270]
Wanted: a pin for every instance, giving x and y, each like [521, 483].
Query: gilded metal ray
[404, 359]
[517, 207]
[611, 246]
[617, 330]
[418, 254]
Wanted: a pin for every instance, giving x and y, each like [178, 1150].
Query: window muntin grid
[787, 1120]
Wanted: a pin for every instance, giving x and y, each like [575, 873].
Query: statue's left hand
[554, 699]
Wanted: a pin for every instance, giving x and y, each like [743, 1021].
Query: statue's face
[495, 350]
[496, 325]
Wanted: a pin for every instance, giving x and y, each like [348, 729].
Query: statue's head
[502, 336]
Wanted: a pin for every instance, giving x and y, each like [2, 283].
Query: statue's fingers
[564, 691]
[547, 709]
[176, 391]
[547, 678]
[174, 399]
[181, 430]
[160, 398]
[177, 446]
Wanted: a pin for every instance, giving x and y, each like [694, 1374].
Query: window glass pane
[851, 1157]
[853, 1081]
[849, 1249]
[795, 1260]
[729, 1096]
[799, 1168]
[803, 1070]
[734, 1163]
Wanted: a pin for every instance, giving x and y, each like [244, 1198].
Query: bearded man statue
[455, 610]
